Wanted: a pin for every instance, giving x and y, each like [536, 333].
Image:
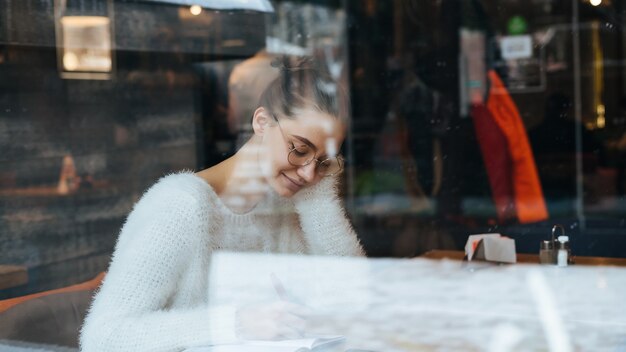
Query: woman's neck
[238, 180]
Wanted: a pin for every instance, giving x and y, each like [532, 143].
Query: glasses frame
[340, 159]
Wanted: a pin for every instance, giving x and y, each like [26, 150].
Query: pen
[304, 310]
[279, 288]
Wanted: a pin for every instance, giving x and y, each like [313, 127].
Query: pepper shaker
[546, 252]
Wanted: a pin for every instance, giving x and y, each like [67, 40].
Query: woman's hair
[301, 84]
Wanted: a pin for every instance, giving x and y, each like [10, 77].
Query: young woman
[276, 194]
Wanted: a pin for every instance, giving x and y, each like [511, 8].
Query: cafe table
[12, 275]
[426, 304]
[423, 304]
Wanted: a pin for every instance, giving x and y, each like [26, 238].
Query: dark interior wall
[122, 134]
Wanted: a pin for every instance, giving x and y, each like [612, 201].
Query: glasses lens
[301, 155]
[330, 167]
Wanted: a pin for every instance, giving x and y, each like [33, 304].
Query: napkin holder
[491, 247]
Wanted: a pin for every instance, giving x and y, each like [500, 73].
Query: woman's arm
[129, 312]
[324, 222]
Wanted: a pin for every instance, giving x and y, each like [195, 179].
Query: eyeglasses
[303, 155]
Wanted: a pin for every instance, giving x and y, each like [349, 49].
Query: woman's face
[321, 133]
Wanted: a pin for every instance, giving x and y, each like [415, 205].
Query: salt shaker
[563, 254]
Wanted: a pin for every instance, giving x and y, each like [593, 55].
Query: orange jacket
[508, 156]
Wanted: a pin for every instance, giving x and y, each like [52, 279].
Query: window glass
[463, 117]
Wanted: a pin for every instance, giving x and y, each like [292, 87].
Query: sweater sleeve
[130, 312]
[324, 222]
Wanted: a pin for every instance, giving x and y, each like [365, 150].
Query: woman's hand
[324, 222]
[324, 190]
[278, 320]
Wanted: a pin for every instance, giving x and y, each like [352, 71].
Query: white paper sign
[516, 47]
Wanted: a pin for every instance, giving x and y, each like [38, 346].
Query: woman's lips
[292, 184]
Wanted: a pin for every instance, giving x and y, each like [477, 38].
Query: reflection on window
[428, 159]
[84, 38]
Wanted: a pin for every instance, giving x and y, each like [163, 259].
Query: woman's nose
[308, 172]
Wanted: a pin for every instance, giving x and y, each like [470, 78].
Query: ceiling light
[195, 10]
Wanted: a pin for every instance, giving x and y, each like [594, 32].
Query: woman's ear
[260, 121]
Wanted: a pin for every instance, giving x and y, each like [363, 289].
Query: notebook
[317, 344]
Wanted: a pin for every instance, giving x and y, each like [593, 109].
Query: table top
[20, 346]
[12, 275]
[51, 191]
[529, 258]
[424, 304]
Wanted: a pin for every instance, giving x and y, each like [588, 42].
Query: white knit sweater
[154, 296]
